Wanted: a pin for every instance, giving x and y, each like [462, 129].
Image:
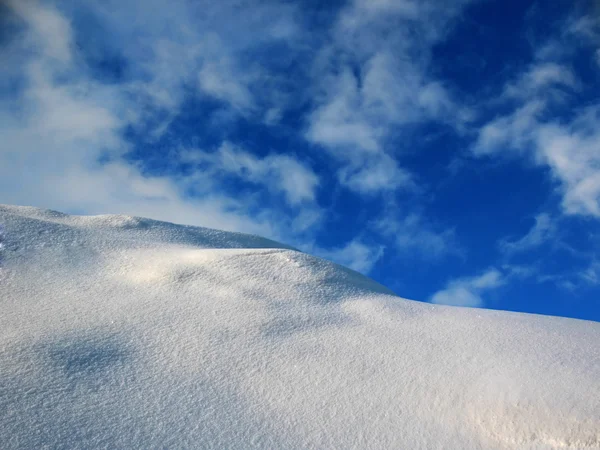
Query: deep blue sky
[449, 150]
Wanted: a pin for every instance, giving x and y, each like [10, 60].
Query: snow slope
[120, 332]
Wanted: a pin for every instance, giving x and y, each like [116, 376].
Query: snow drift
[121, 332]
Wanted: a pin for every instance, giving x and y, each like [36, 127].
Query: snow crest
[121, 332]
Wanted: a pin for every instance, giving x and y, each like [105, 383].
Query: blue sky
[449, 150]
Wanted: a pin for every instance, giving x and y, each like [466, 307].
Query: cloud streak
[355, 254]
[374, 81]
[564, 143]
[542, 231]
[280, 173]
[413, 236]
[468, 291]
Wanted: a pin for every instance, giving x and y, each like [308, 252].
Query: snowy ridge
[121, 332]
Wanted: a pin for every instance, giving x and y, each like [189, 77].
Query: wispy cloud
[373, 79]
[542, 78]
[218, 79]
[48, 29]
[354, 254]
[591, 275]
[468, 291]
[414, 236]
[543, 230]
[567, 144]
[279, 173]
[569, 150]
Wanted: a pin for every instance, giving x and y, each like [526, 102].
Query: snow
[122, 332]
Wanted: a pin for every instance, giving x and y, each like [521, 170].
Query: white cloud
[279, 173]
[339, 123]
[540, 78]
[468, 291]
[355, 255]
[375, 175]
[566, 143]
[414, 236]
[365, 9]
[511, 132]
[520, 271]
[373, 80]
[48, 28]
[542, 231]
[218, 80]
[570, 150]
[70, 111]
[591, 275]
[176, 51]
[120, 188]
[586, 26]
[428, 16]
[567, 146]
[351, 125]
[354, 120]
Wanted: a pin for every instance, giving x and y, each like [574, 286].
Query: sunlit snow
[120, 332]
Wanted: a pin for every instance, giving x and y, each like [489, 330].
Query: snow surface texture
[121, 332]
